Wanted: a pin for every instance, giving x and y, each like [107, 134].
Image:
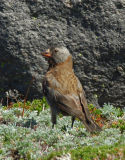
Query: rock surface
[93, 31]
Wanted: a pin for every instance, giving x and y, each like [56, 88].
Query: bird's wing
[91, 125]
[82, 99]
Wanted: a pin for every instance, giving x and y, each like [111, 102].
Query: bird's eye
[56, 50]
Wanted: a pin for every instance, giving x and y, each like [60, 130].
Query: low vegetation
[26, 134]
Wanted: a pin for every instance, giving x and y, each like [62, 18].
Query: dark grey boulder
[93, 31]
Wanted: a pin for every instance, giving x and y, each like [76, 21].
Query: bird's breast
[63, 81]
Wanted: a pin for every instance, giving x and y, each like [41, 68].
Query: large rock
[93, 31]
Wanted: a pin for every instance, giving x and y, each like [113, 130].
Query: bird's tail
[91, 126]
[89, 123]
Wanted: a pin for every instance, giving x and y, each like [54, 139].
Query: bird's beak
[47, 53]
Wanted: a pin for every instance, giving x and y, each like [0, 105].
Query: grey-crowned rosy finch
[63, 89]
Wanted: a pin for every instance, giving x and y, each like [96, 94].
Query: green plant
[36, 105]
[111, 112]
[120, 123]
[32, 136]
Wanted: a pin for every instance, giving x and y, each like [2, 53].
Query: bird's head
[56, 55]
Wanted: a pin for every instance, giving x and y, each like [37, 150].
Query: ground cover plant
[26, 134]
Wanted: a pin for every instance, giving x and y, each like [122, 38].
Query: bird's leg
[53, 117]
[53, 126]
[73, 119]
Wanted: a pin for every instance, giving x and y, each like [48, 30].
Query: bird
[63, 90]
